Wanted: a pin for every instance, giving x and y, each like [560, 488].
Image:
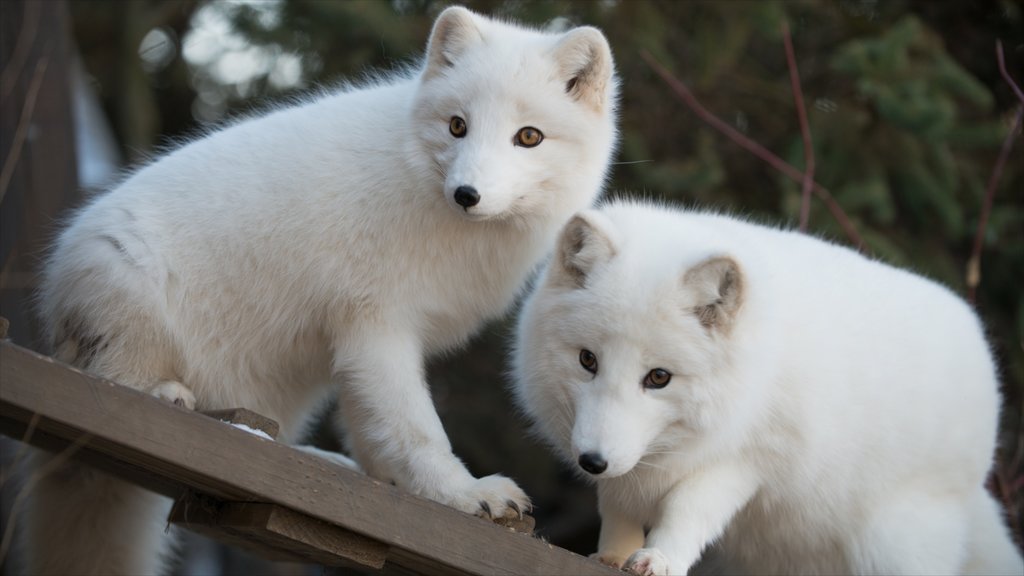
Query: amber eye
[528, 137]
[457, 127]
[657, 378]
[588, 361]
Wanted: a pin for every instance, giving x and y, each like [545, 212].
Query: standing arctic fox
[328, 247]
[819, 412]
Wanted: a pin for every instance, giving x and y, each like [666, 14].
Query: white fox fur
[825, 413]
[320, 249]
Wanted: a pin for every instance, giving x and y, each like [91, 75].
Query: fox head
[624, 349]
[515, 122]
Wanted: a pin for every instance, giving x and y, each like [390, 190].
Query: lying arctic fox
[818, 412]
[327, 246]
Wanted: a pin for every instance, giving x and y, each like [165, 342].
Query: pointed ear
[586, 241]
[718, 284]
[584, 61]
[454, 30]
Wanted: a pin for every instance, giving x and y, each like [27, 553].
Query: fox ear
[585, 62]
[718, 285]
[586, 241]
[454, 30]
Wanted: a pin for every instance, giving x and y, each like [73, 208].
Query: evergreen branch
[805, 130]
[687, 97]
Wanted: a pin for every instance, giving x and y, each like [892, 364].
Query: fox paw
[176, 393]
[647, 562]
[608, 559]
[493, 497]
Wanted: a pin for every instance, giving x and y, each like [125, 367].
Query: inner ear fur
[586, 241]
[454, 30]
[718, 283]
[585, 62]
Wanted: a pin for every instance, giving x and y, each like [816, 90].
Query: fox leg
[394, 432]
[620, 534]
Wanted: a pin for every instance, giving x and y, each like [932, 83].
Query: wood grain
[277, 533]
[134, 431]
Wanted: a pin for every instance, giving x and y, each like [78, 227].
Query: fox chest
[638, 495]
[449, 299]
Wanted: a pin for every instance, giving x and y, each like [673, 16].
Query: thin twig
[974, 263]
[21, 133]
[805, 130]
[756, 149]
[48, 468]
[1005, 74]
[22, 450]
[29, 27]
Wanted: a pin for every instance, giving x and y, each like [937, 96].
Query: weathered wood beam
[129, 430]
[278, 533]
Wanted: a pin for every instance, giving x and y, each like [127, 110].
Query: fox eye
[588, 360]
[528, 137]
[457, 127]
[657, 378]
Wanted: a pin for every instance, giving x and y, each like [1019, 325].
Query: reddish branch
[974, 264]
[1005, 479]
[754, 148]
[805, 130]
[1006, 75]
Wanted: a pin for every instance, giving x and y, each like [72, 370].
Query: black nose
[466, 196]
[593, 462]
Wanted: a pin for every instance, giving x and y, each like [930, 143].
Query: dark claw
[515, 507]
[486, 508]
[179, 402]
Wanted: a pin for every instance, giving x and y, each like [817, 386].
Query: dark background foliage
[906, 107]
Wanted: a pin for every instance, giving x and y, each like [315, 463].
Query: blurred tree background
[905, 103]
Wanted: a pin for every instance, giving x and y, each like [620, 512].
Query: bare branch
[51, 465]
[21, 132]
[22, 451]
[974, 263]
[1006, 75]
[684, 94]
[27, 37]
[805, 130]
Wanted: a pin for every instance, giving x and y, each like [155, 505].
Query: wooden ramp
[250, 491]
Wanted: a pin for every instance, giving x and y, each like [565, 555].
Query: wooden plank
[13, 423]
[524, 525]
[213, 458]
[277, 533]
[246, 417]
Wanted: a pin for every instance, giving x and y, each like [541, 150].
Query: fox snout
[609, 435]
[466, 196]
[593, 462]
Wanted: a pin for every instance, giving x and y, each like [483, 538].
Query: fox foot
[175, 393]
[491, 497]
[609, 559]
[647, 562]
